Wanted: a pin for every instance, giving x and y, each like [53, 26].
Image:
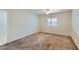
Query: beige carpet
[41, 41]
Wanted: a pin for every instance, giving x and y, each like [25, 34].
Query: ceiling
[43, 11]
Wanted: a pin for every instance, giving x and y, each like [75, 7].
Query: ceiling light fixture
[49, 11]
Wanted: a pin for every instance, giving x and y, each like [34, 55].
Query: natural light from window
[52, 21]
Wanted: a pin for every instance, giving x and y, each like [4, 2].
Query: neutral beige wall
[21, 23]
[64, 23]
[75, 26]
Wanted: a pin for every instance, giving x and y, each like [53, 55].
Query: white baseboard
[75, 38]
[21, 37]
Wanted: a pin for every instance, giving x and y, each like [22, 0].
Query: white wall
[3, 27]
[64, 23]
[75, 26]
[21, 23]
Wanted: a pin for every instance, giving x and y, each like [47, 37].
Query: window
[52, 21]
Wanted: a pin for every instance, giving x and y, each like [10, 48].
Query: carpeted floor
[41, 41]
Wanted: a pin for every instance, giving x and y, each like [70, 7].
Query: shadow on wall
[3, 27]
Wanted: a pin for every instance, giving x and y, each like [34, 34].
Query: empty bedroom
[39, 29]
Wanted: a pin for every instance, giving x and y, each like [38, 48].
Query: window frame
[51, 22]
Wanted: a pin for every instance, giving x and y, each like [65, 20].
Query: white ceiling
[43, 11]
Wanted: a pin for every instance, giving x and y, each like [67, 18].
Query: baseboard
[55, 34]
[71, 36]
[18, 38]
[75, 38]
